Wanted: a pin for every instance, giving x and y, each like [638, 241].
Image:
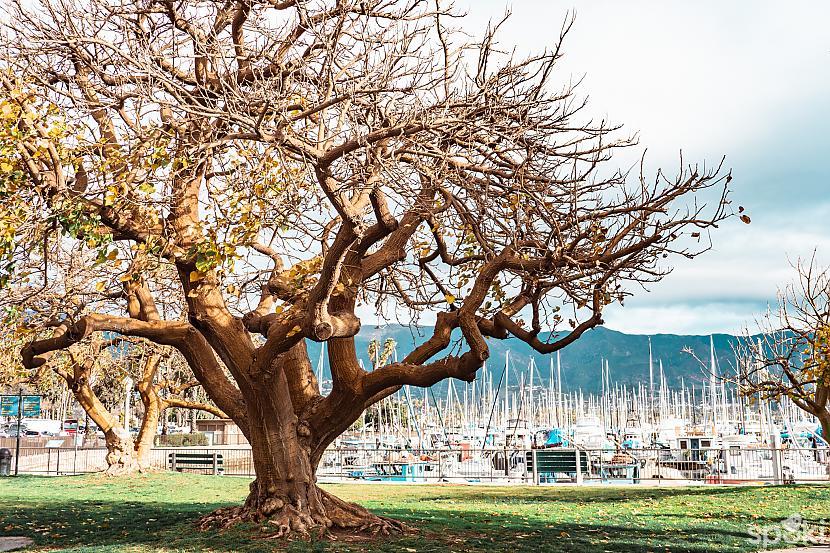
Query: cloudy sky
[746, 79]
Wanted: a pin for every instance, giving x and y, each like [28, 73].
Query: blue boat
[411, 471]
[554, 437]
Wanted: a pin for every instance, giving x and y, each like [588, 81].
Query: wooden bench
[179, 461]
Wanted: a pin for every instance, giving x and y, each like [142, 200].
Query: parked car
[13, 431]
[42, 427]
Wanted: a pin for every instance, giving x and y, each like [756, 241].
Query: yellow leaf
[125, 278]
[100, 286]
[196, 276]
[6, 167]
[112, 255]
[450, 298]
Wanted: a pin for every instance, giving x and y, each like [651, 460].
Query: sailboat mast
[550, 396]
[506, 413]
[320, 367]
[650, 382]
[713, 387]
[532, 410]
[560, 411]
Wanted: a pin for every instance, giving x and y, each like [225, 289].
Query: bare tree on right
[791, 355]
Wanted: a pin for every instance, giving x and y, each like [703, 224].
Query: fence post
[578, 466]
[600, 469]
[778, 469]
[534, 459]
[173, 461]
[215, 464]
[58, 464]
[506, 464]
[440, 466]
[724, 467]
[659, 472]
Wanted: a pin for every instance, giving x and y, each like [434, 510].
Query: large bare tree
[299, 163]
[790, 355]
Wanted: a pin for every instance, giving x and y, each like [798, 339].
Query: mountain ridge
[627, 355]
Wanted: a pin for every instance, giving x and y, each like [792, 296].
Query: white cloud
[726, 288]
[705, 76]
[747, 79]
[700, 319]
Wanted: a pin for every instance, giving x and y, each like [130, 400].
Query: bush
[183, 440]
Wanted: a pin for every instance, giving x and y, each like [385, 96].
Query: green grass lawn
[156, 513]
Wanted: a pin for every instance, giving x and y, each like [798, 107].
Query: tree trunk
[121, 458]
[149, 426]
[285, 492]
[120, 447]
[824, 419]
[153, 408]
[89, 433]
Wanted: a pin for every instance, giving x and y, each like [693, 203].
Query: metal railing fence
[506, 465]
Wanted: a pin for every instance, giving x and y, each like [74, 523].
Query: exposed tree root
[123, 470]
[122, 465]
[223, 518]
[351, 516]
[316, 519]
[121, 455]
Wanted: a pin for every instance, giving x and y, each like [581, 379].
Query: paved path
[11, 543]
[817, 549]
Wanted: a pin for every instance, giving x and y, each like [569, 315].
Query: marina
[483, 430]
[537, 433]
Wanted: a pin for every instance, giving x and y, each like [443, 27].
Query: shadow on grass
[150, 526]
[609, 495]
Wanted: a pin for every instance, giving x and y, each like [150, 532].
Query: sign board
[10, 405]
[31, 406]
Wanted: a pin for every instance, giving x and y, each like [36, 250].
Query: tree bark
[824, 419]
[149, 426]
[120, 456]
[286, 495]
[285, 491]
[153, 408]
[89, 433]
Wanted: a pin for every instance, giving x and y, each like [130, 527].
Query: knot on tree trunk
[341, 324]
[121, 458]
[271, 505]
[323, 331]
